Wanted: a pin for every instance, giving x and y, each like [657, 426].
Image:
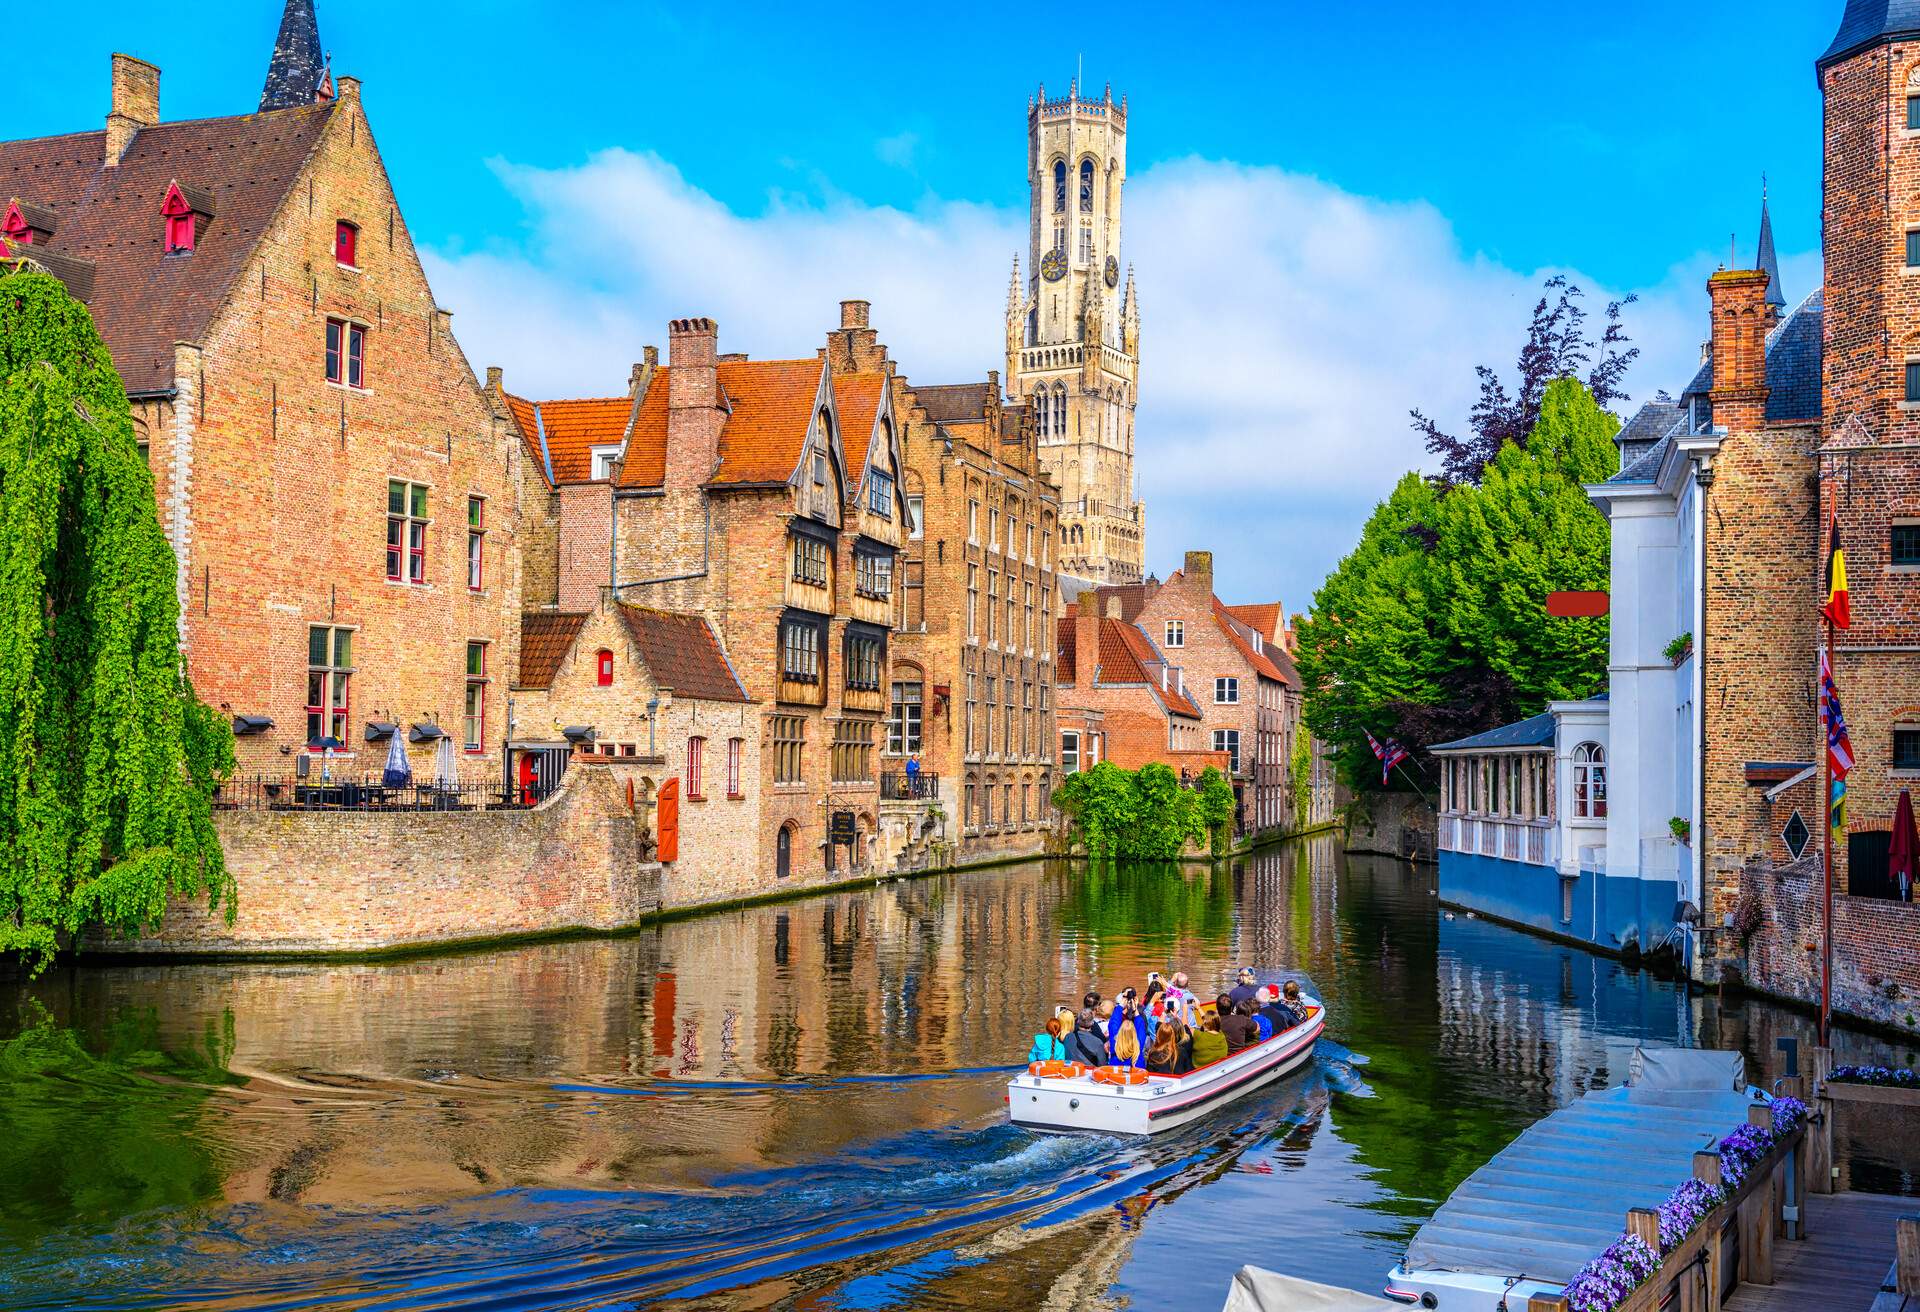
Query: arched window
[1590, 781]
[1059, 409]
[603, 666]
[1086, 186]
[1043, 408]
[1059, 186]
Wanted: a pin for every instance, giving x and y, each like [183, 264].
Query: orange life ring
[1119, 1075]
[1057, 1070]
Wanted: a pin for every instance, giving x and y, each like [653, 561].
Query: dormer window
[603, 458]
[178, 216]
[346, 244]
[15, 228]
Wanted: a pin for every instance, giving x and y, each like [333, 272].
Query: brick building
[973, 673]
[341, 497]
[1110, 669]
[1233, 663]
[653, 689]
[764, 498]
[1720, 519]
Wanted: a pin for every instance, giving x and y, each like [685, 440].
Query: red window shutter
[667, 826]
[345, 243]
[606, 668]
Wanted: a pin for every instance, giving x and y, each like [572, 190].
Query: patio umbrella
[1903, 853]
[399, 771]
[445, 773]
[326, 747]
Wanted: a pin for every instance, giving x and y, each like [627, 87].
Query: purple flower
[1898, 1077]
[1789, 1114]
[1604, 1283]
[1683, 1211]
[1740, 1150]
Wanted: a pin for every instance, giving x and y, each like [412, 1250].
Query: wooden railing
[1535, 842]
[1733, 1240]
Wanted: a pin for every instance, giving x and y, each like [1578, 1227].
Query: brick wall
[343, 881]
[1876, 971]
[273, 482]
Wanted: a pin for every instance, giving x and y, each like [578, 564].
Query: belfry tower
[1073, 332]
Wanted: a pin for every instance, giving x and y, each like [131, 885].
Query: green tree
[1216, 809]
[110, 761]
[1141, 815]
[1300, 773]
[1435, 626]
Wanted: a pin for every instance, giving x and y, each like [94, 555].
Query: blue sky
[1332, 217]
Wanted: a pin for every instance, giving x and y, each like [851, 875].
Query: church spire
[1766, 261]
[297, 72]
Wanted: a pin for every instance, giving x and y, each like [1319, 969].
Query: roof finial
[1764, 259]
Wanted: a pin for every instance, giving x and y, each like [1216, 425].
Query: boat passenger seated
[1127, 1035]
[1244, 991]
[1048, 1045]
[1090, 1033]
[1262, 1023]
[1277, 1015]
[1238, 1027]
[1290, 999]
[1163, 1054]
[1209, 1044]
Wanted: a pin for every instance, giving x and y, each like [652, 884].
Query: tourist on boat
[1290, 999]
[1127, 1036]
[1238, 1027]
[1277, 1014]
[1263, 1028]
[1163, 1054]
[1180, 1000]
[1048, 1045]
[1209, 1044]
[1243, 992]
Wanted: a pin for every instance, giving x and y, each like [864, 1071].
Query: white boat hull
[1164, 1102]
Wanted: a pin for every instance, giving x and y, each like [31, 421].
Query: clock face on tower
[1053, 266]
[1113, 271]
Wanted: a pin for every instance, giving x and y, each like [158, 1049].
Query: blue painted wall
[1607, 911]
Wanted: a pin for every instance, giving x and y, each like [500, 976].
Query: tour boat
[1121, 1100]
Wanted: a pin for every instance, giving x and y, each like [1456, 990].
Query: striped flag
[1839, 745]
[1836, 608]
[1395, 754]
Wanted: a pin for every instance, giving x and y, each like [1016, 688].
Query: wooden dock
[1842, 1262]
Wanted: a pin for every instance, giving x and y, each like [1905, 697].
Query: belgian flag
[1836, 610]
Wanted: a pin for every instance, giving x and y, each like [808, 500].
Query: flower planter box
[1888, 1095]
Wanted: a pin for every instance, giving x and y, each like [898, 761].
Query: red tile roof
[856, 399]
[144, 300]
[1128, 656]
[545, 639]
[770, 405]
[683, 654]
[1260, 659]
[1262, 617]
[1063, 649]
[571, 429]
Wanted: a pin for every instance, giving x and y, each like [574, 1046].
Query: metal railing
[899, 786]
[368, 793]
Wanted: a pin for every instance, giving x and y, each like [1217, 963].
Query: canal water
[798, 1105]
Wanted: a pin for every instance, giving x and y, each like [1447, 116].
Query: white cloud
[1288, 326]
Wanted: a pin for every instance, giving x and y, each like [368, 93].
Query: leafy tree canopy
[1435, 626]
[1138, 815]
[109, 761]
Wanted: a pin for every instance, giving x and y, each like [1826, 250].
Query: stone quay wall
[344, 881]
[1393, 824]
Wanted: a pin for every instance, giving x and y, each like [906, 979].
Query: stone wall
[1393, 824]
[1876, 972]
[312, 881]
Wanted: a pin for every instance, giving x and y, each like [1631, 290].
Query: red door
[528, 776]
[668, 825]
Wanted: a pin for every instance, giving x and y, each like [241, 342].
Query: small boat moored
[1128, 1100]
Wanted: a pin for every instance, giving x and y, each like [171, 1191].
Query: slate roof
[545, 639]
[1649, 424]
[1794, 350]
[682, 654]
[297, 66]
[1536, 731]
[1869, 22]
[144, 300]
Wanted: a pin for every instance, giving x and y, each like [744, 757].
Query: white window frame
[1226, 690]
[1176, 633]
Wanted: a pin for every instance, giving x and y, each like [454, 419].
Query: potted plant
[1679, 649]
[1682, 830]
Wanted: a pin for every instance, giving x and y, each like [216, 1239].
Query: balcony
[899, 786]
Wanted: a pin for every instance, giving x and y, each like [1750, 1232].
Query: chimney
[1741, 318]
[496, 381]
[1113, 605]
[993, 383]
[853, 314]
[136, 104]
[855, 346]
[1199, 569]
[694, 416]
[1086, 640]
[349, 89]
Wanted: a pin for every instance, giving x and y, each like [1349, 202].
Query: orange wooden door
[668, 822]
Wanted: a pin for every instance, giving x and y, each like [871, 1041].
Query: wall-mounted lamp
[245, 725]
[425, 733]
[580, 735]
[378, 731]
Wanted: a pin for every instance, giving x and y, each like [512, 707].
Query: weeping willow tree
[108, 761]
